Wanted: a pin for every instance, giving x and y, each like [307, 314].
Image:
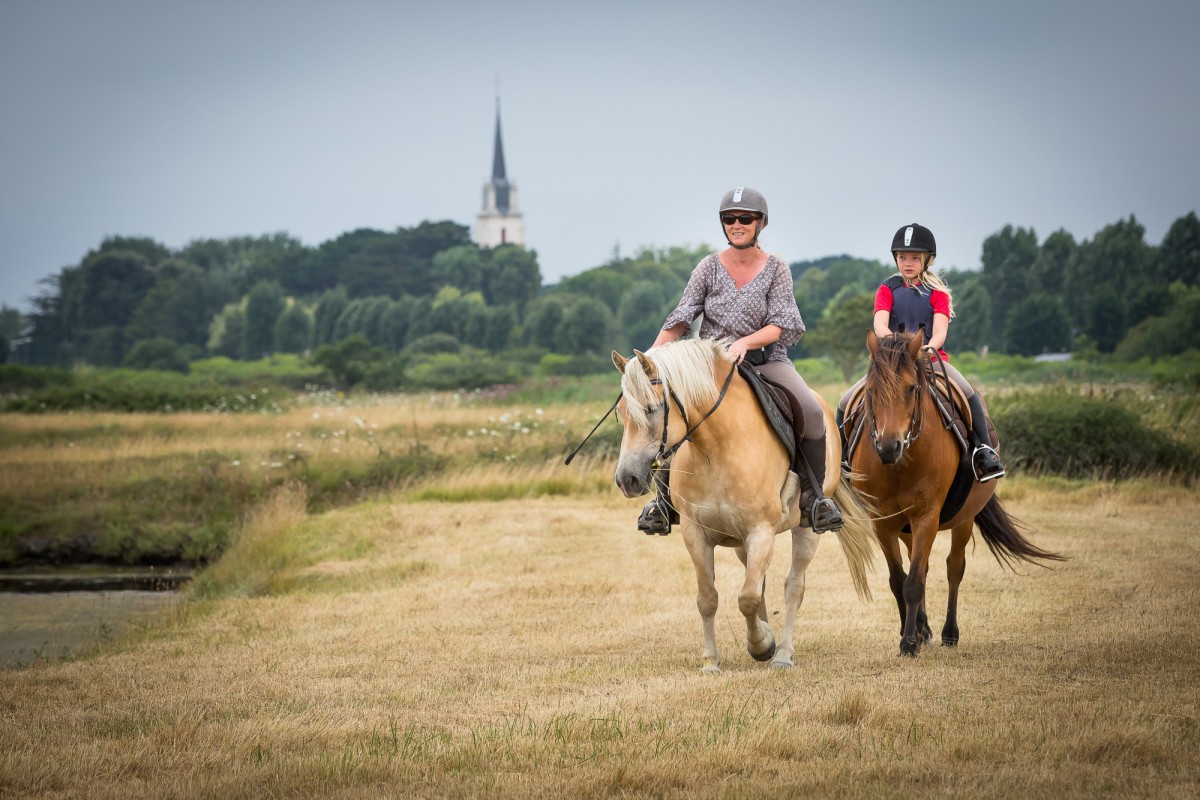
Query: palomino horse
[908, 474]
[729, 477]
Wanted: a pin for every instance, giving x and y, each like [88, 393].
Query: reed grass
[153, 488]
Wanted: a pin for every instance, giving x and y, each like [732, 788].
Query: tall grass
[155, 488]
[159, 488]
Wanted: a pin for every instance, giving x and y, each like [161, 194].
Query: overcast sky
[624, 121]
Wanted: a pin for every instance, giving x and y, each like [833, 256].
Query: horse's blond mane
[684, 366]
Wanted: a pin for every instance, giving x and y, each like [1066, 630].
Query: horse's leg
[923, 629]
[956, 567]
[924, 530]
[706, 593]
[804, 547]
[760, 640]
[890, 543]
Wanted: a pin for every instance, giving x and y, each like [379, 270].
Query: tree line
[376, 303]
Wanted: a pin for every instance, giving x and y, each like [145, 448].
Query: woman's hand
[737, 351]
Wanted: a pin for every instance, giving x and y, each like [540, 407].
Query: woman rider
[745, 296]
[917, 298]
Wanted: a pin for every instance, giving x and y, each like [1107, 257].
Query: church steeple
[500, 220]
[499, 178]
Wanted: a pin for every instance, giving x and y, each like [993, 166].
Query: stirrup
[654, 519]
[986, 464]
[824, 515]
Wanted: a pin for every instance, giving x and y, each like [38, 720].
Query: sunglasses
[745, 219]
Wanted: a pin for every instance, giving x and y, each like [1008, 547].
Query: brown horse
[685, 403]
[908, 474]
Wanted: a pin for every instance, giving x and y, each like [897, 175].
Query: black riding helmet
[743, 198]
[914, 238]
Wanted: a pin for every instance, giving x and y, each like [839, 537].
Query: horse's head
[895, 383]
[658, 391]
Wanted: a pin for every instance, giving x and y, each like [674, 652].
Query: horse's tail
[857, 536]
[1003, 536]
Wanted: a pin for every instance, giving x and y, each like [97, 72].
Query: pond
[53, 613]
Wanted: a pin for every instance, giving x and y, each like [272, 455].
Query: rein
[611, 409]
[665, 453]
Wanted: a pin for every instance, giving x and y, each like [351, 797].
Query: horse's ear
[914, 345]
[619, 361]
[647, 365]
[872, 342]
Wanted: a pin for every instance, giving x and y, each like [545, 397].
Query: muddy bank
[47, 627]
[51, 614]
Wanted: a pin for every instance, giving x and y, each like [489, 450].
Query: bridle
[664, 453]
[914, 422]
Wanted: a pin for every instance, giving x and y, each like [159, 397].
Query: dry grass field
[541, 647]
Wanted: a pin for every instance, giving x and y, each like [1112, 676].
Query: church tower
[500, 220]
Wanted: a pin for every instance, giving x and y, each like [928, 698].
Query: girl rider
[917, 298]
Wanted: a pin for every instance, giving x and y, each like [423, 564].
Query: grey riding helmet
[743, 198]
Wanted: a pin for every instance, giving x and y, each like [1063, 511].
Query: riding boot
[658, 514]
[823, 513]
[985, 461]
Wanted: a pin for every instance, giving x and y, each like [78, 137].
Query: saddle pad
[775, 405]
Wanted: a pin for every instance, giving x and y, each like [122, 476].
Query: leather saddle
[775, 404]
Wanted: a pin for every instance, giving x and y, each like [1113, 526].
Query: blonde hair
[934, 281]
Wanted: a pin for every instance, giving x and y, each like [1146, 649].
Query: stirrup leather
[986, 464]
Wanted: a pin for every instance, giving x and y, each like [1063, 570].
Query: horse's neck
[738, 429]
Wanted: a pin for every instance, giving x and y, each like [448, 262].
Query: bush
[578, 365]
[157, 353]
[471, 370]
[1085, 437]
[433, 343]
[19, 379]
[141, 391]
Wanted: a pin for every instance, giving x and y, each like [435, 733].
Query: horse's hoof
[765, 655]
[909, 647]
[948, 642]
[710, 669]
[778, 664]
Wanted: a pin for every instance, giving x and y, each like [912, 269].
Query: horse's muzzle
[631, 484]
[890, 451]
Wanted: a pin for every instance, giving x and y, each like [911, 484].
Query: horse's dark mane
[890, 362]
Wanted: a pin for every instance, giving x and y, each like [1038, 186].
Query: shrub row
[1075, 436]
